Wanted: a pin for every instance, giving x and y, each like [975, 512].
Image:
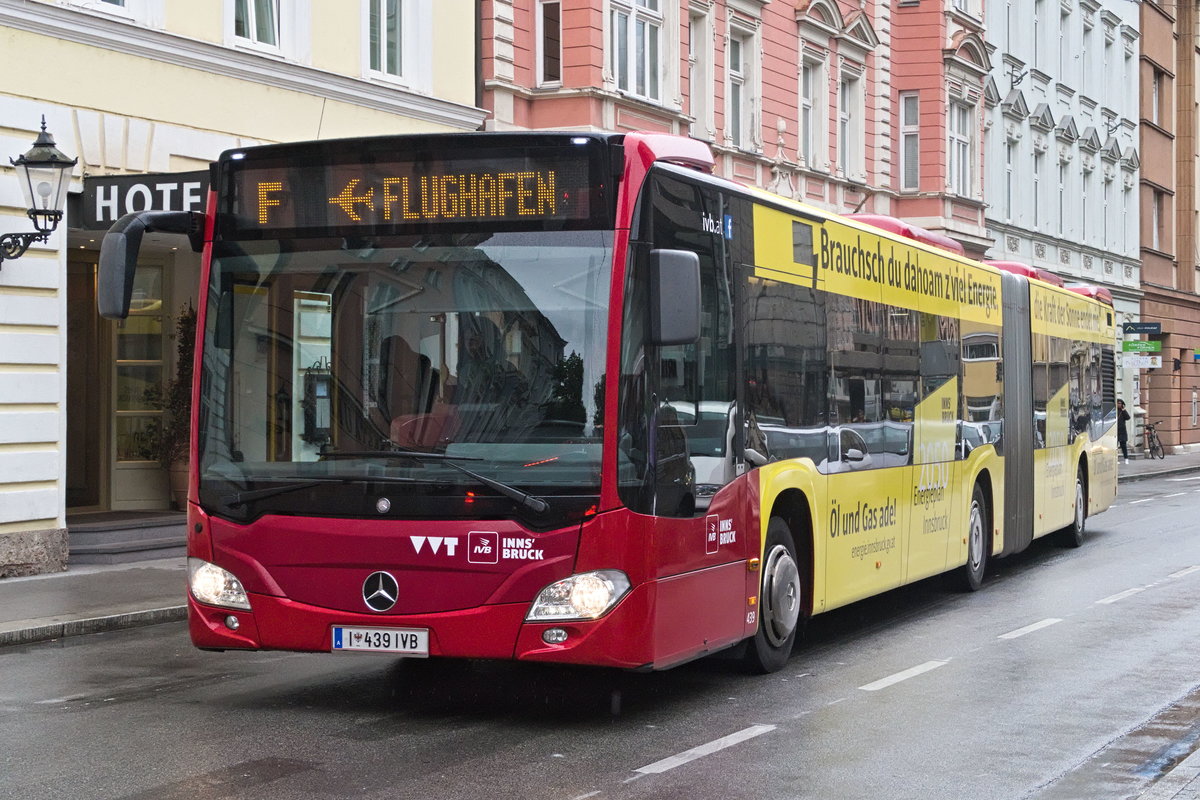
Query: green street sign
[1141, 347]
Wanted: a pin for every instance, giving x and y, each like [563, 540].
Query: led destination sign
[305, 196]
[475, 195]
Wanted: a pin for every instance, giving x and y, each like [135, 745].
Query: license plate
[405, 641]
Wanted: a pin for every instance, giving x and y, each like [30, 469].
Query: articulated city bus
[571, 398]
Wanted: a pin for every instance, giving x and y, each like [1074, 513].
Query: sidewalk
[1139, 468]
[94, 598]
[91, 599]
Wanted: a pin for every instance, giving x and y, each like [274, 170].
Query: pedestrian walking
[1122, 430]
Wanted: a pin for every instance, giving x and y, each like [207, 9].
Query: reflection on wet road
[1072, 674]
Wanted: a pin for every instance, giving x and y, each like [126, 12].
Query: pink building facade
[815, 100]
[939, 66]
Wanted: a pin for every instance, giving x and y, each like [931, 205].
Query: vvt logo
[435, 543]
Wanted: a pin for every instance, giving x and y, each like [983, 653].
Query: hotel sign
[107, 198]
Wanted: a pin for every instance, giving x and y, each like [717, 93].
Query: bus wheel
[1072, 535]
[971, 576]
[780, 602]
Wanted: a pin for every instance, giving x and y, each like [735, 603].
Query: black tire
[970, 576]
[1072, 535]
[1156, 448]
[780, 603]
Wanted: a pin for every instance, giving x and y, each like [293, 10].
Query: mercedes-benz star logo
[380, 591]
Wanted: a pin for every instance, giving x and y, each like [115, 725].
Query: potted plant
[174, 441]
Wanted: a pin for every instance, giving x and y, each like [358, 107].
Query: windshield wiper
[242, 498]
[399, 452]
[535, 504]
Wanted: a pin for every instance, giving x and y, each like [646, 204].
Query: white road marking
[1135, 502]
[1121, 595]
[589, 794]
[55, 700]
[890, 680]
[705, 749]
[1180, 480]
[1176, 494]
[1037, 626]
[1183, 572]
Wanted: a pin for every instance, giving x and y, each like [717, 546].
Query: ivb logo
[709, 224]
[711, 526]
[483, 547]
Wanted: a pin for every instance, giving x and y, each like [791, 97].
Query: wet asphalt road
[1072, 674]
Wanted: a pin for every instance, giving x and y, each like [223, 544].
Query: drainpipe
[479, 58]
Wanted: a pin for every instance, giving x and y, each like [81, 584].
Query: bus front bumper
[618, 639]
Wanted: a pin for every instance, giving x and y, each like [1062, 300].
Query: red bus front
[406, 439]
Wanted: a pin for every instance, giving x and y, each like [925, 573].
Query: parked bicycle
[1154, 448]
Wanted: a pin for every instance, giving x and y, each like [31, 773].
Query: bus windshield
[379, 361]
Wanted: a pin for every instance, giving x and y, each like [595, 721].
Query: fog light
[554, 636]
[232, 623]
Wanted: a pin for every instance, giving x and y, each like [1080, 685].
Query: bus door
[1054, 433]
[677, 415]
[867, 456]
[784, 366]
[935, 496]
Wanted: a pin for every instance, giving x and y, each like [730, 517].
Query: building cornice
[124, 37]
[587, 92]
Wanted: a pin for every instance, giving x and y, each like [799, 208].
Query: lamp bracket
[14, 245]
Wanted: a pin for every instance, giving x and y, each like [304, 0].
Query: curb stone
[78, 627]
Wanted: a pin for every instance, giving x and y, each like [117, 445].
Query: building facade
[1171, 392]
[795, 98]
[940, 65]
[1062, 166]
[149, 92]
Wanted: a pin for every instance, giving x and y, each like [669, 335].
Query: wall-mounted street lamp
[45, 174]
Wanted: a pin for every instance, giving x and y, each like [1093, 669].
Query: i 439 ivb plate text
[404, 641]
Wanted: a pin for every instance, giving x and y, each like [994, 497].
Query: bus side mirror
[119, 253]
[674, 297]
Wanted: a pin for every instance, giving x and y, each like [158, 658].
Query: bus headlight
[585, 596]
[215, 586]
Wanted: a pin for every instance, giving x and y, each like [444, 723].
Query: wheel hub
[781, 596]
[975, 548]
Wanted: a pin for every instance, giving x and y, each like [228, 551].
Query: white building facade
[152, 92]
[1060, 147]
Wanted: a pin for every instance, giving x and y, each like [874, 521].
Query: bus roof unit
[910, 231]
[1017, 268]
[685, 152]
[1094, 292]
